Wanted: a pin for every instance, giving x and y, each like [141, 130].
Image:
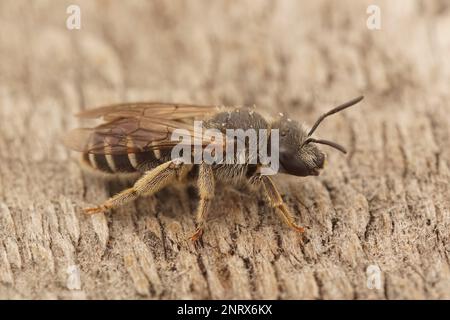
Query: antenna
[333, 111]
[327, 142]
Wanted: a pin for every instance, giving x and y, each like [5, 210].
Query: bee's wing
[169, 111]
[133, 128]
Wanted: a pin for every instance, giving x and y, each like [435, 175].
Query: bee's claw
[197, 235]
[95, 210]
[298, 228]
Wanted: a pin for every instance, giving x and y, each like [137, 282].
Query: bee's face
[297, 158]
[298, 152]
[305, 161]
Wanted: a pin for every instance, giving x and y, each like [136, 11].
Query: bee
[136, 138]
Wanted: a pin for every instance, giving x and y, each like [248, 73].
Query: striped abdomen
[123, 163]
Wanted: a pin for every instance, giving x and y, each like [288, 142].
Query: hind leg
[151, 182]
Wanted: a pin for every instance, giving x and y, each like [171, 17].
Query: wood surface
[386, 204]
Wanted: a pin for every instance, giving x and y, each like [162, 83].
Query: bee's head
[298, 151]
[297, 157]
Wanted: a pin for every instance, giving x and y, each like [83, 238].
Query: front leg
[206, 185]
[277, 202]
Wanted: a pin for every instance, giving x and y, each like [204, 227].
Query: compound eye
[292, 164]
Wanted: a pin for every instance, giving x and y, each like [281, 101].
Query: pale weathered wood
[387, 203]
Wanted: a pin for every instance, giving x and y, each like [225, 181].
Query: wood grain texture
[387, 203]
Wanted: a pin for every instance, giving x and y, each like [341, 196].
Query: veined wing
[168, 111]
[133, 128]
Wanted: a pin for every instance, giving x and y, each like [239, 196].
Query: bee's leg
[151, 182]
[277, 202]
[206, 184]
